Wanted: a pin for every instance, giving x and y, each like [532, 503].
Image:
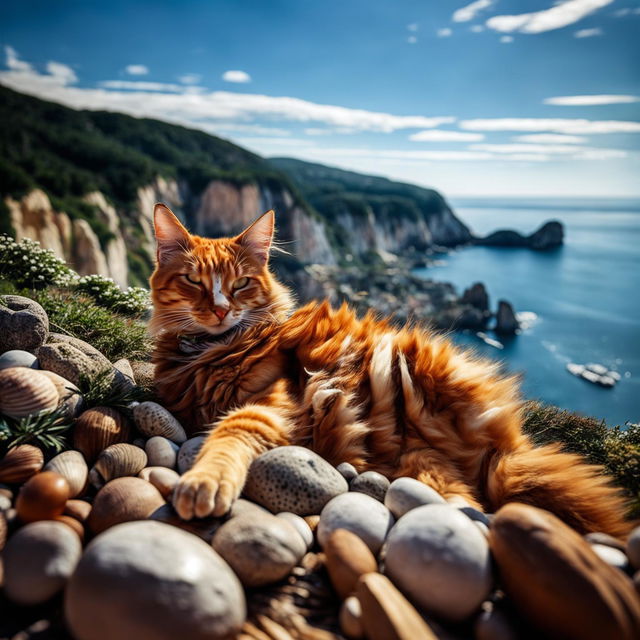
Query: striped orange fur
[233, 358]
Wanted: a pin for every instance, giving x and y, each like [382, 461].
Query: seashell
[188, 453]
[117, 461]
[154, 420]
[98, 428]
[123, 500]
[25, 392]
[70, 396]
[72, 467]
[74, 524]
[78, 509]
[42, 497]
[161, 452]
[20, 463]
[38, 560]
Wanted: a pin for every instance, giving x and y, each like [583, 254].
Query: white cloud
[63, 73]
[257, 129]
[540, 148]
[137, 70]
[593, 100]
[465, 14]
[444, 33]
[190, 78]
[12, 60]
[236, 76]
[560, 15]
[412, 40]
[506, 39]
[138, 85]
[413, 26]
[202, 108]
[439, 135]
[588, 33]
[550, 138]
[477, 28]
[620, 13]
[555, 125]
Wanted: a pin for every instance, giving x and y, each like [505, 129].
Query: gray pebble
[188, 453]
[405, 494]
[18, 358]
[359, 513]
[161, 452]
[293, 479]
[24, 324]
[475, 515]
[604, 538]
[614, 557]
[69, 362]
[300, 526]
[371, 483]
[348, 471]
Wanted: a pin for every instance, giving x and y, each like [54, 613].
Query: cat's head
[212, 286]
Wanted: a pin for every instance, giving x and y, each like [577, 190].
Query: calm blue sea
[586, 296]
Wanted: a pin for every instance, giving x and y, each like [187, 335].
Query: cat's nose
[221, 312]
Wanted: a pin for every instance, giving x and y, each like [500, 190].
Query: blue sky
[491, 97]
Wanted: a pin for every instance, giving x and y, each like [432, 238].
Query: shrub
[131, 301]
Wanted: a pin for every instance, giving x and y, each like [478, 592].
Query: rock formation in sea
[548, 236]
[506, 321]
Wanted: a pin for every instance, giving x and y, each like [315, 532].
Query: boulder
[506, 321]
[24, 324]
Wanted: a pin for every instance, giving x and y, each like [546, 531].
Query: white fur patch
[380, 368]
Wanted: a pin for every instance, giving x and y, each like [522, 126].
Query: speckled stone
[633, 548]
[371, 483]
[259, 551]
[405, 494]
[161, 452]
[69, 362]
[293, 479]
[348, 471]
[143, 372]
[18, 358]
[359, 513]
[24, 324]
[188, 453]
[440, 560]
[300, 526]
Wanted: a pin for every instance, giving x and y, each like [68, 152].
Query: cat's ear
[258, 237]
[171, 236]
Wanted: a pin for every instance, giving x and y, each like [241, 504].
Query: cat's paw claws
[203, 493]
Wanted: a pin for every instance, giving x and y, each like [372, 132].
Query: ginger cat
[234, 358]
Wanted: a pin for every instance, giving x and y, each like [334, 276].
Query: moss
[617, 449]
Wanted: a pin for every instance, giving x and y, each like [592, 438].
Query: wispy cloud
[255, 129]
[62, 72]
[588, 33]
[13, 61]
[621, 13]
[190, 78]
[552, 125]
[444, 33]
[140, 85]
[550, 138]
[465, 14]
[412, 39]
[549, 149]
[236, 76]
[414, 26]
[440, 135]
[477, 28]
[558, 16]
[506, 39]
[137, 69]
[593, 100]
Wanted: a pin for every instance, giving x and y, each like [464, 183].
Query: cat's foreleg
[215, 481]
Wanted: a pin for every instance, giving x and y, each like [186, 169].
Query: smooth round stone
[405, 494]
[293, 479]
[614, 557]
[161, 452]
[300, 526]
[371, 483]
[606, 539]
[24, 324]
[359, 513]
[351, 618]
[38, 560]
[151, 581]
[440, 560]
[475, 515]
[188, 453]
[347, 470]
[163, 479]
[633, 548]
[259, 551]
[18, 358]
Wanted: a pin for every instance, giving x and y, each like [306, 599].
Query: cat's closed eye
[192, 278]
[240, 283]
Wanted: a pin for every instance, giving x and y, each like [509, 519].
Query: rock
[38, 560]
[557, 581]
[494, 624]
[387, 614]
[24, 324]
[359, 513]
[475, 515]
[313, 522]
[71, 398]
[69, 362]
[124, 367]
[405, 494]
[82, 346]
[78, 509]
[506, 321]
[440, 560]
[42, 497]
[188, 453]
[163, 479]
[350, 618]
[293, 479]
[347, 558]
[143, 372]
[476, 295]
[161, 452]
[614, 557]
[204, 528]
[548, 236]
[300, 526]
[152, 419]
[150, 581]
[347, 470]
[259, 551]
[371, 483]
[18, 358]
[633, 548]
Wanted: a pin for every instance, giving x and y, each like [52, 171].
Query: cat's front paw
[204, 492]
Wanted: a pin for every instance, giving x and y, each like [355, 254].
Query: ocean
[583, 299]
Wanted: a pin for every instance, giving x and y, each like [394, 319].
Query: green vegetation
[617, 449]
[45, 430]
[100, 391]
